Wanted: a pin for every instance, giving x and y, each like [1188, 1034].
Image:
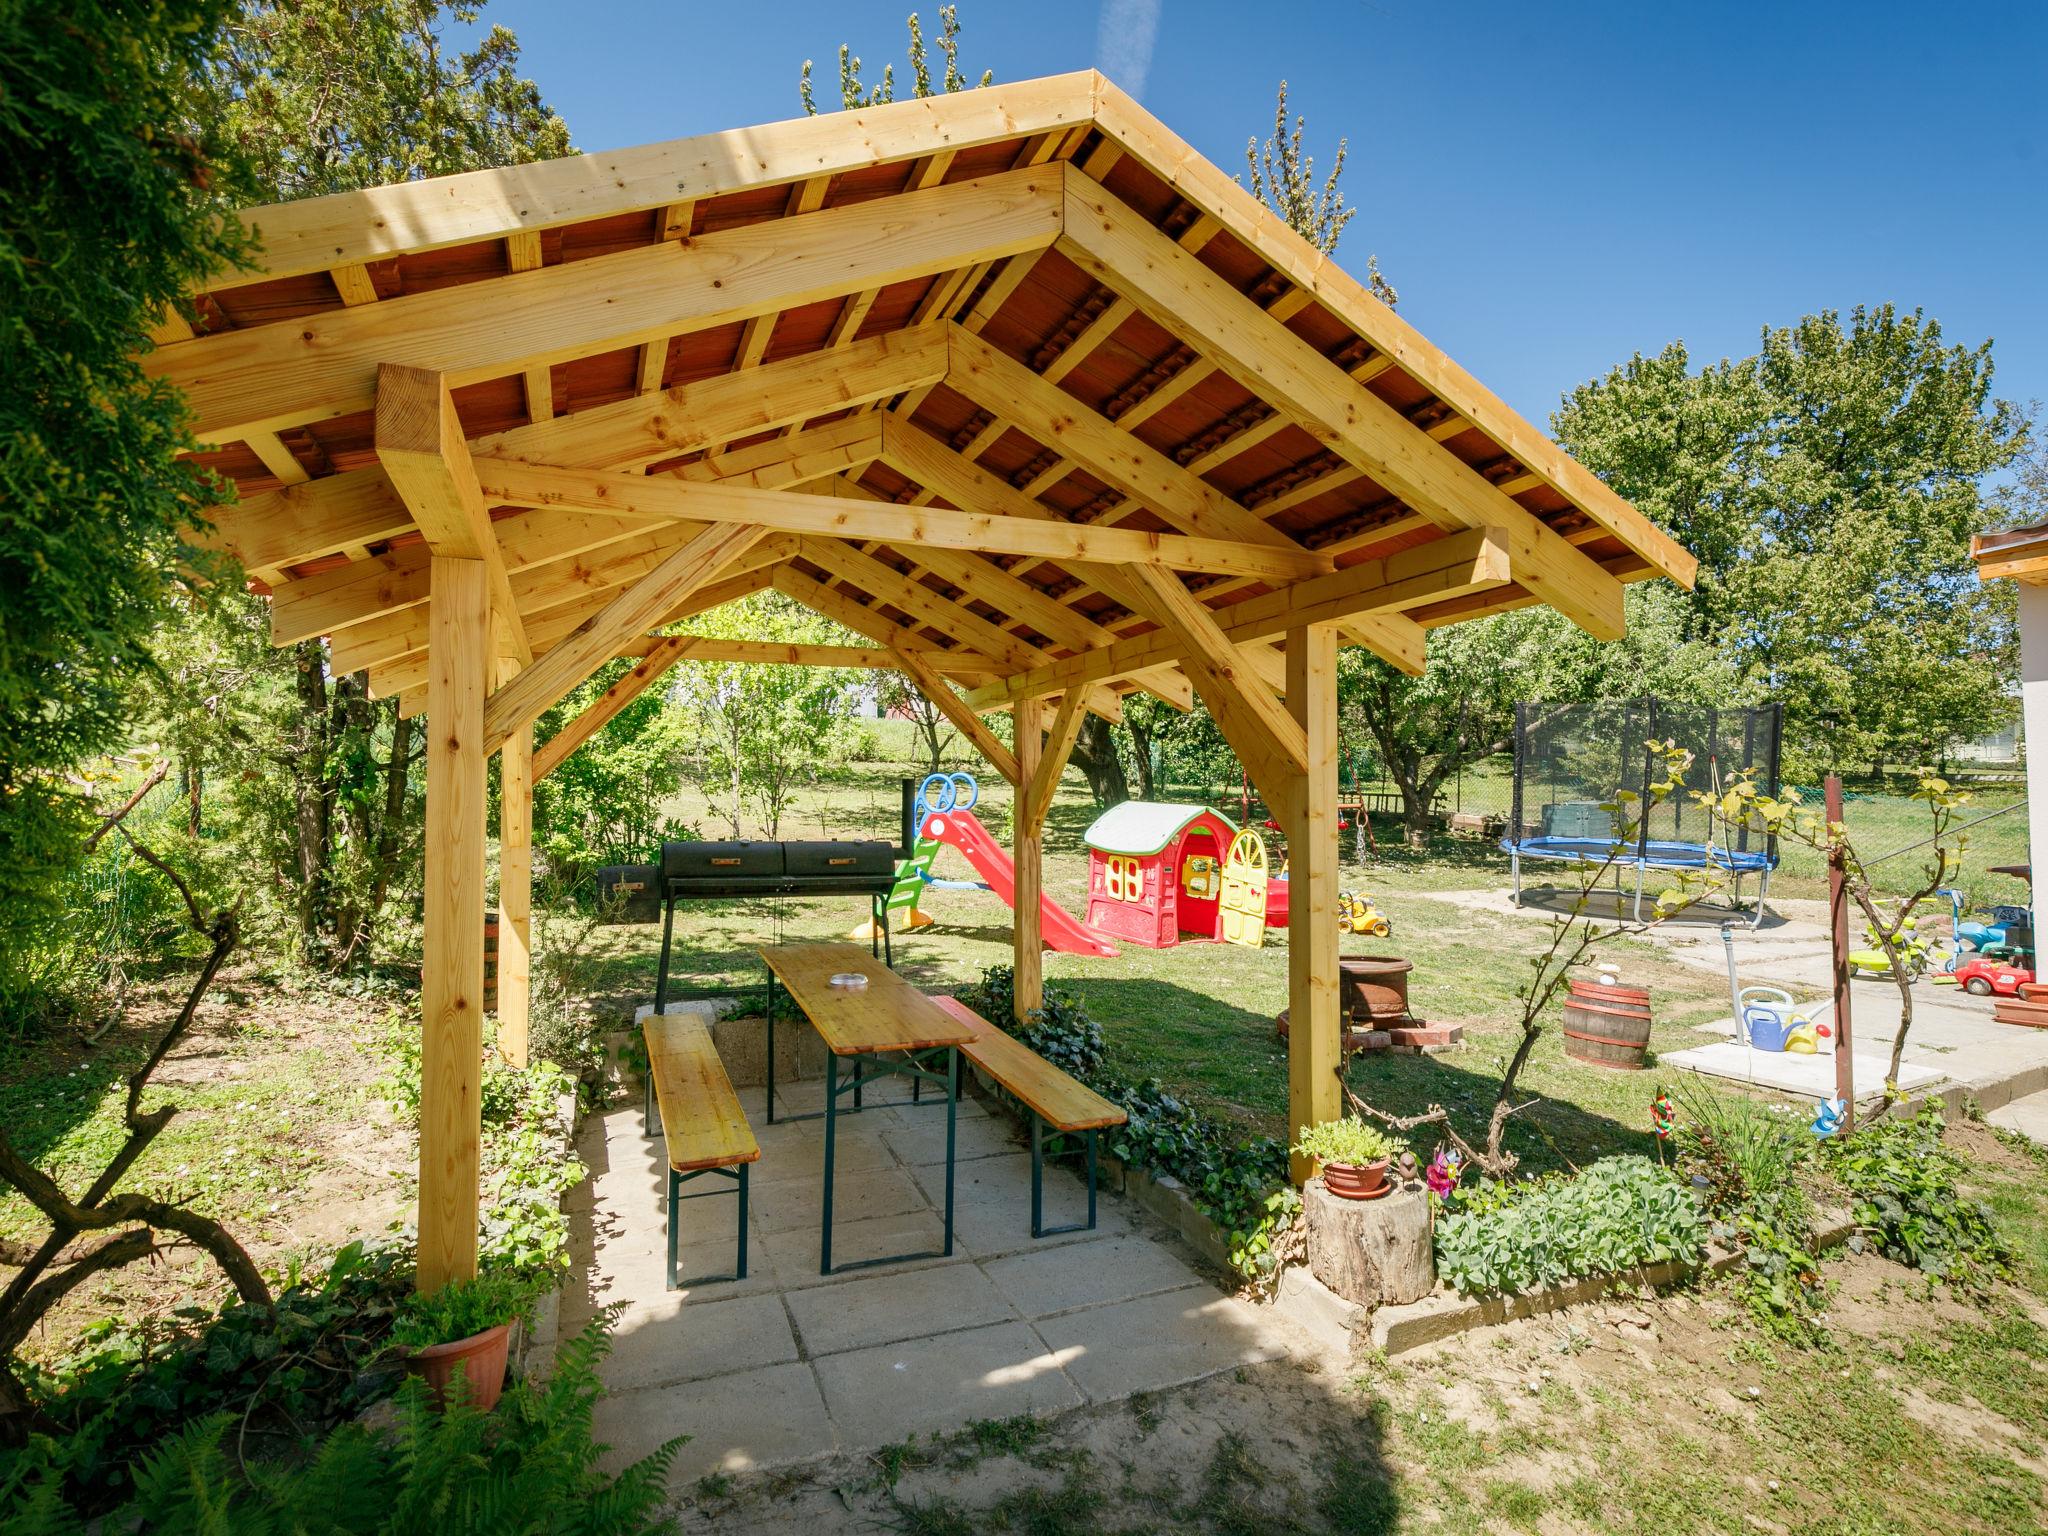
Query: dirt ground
[279, 1131]
[1662, 1414]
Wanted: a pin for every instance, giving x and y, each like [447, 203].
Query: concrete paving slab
[859, 1195]
[992, 1228]
[925, 1141]
[1810, 1077]
[657, 1343]
[2028, 1116]
[922, 1386]
[1160, 1341]
[739, 1423]
[792, 1256]
[885, 1307]
[984, 1180]
[1045, 1281]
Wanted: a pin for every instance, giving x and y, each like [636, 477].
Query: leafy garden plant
[1348, 1142]
[462, 1309]
[1902, 1182]
[1620, 1214]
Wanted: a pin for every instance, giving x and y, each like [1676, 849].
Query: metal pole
[1838, 930]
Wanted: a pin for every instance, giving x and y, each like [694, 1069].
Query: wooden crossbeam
[923, 604]
[1105, 237]
[421, 446]
[661, 656]
[1452, 566]
[267, 377]
[964, 720]
[301, 523]
[645, 603]
[535, 485]
[1265, 737]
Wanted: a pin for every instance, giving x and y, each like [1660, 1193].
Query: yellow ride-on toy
[1357, 914]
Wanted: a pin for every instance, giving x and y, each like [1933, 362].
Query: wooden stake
[1314, 1036]
[1027, 853]
[452, 972]
[1838, 930]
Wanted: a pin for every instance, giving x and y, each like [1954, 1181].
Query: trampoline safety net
[1571, 759]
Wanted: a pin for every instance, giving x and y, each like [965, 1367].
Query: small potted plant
[1354, 1156]
[463, 1329]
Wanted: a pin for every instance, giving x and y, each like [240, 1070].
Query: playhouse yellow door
[1244, 891]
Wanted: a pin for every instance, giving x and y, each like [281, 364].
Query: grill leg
[882, 922]
[668, 929]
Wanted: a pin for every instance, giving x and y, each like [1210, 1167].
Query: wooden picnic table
[887, 1028]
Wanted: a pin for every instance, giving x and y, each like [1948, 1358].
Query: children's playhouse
[1155, 872]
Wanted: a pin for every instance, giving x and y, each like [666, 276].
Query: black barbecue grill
[728, 871]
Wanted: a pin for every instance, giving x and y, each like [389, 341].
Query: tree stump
[1372, 1252]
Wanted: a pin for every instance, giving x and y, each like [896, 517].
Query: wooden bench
[701, 1120]
[1054, 1099]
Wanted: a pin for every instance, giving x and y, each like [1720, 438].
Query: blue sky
[1551, 188]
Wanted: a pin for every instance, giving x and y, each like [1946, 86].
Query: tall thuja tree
[1829, 484]
[854, 94]
[108, 215]
[322, 96]
[1284, 179]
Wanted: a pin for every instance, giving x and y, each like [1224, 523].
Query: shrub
[530, 1465]
[1620, 1214]
[1901, 1179]
[1349, 1141]
[1060, 1030]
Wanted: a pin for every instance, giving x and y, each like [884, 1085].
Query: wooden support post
[1027, 854]
[515, 894]
[1314, 1036]
[452, 973]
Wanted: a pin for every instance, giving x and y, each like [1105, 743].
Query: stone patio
[788, 1365]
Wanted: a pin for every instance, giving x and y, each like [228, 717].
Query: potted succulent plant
[465, 1329]
[1354, 1156]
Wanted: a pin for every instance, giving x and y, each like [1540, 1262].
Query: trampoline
[1574, 760]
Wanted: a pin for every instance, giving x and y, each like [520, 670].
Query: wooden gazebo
[1011, 382]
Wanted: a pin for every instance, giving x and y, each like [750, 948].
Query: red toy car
[1982, 977]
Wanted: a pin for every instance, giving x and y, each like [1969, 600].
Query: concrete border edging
[1444, 1313]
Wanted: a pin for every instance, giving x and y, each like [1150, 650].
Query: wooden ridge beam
[320, 366]
[727, 501]
[316, 233]
[1457, 564]
[325, 516]
[954, 708]
[664, 654]
[421, 446]
[591, 644]
[1106, 238]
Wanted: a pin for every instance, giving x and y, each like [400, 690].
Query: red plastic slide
[960, 829]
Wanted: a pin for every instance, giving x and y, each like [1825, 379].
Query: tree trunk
[397, 777]
[1095, 751]
[1141, 754]
[1371, 1252]
[309, 792]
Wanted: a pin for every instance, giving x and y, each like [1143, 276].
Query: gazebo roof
[984, 377]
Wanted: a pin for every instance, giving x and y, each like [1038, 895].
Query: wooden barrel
[1607, 1026]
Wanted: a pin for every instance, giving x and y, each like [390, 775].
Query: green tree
[96, 116]
[324, 96]
[1284, 179]
[764, 730]
[853, 94]
[1829, 485]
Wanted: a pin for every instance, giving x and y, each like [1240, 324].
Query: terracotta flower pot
[480, 1357]
[1355, 1181]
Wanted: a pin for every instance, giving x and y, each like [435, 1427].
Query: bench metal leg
[676, 1181]
[1038, 1226]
